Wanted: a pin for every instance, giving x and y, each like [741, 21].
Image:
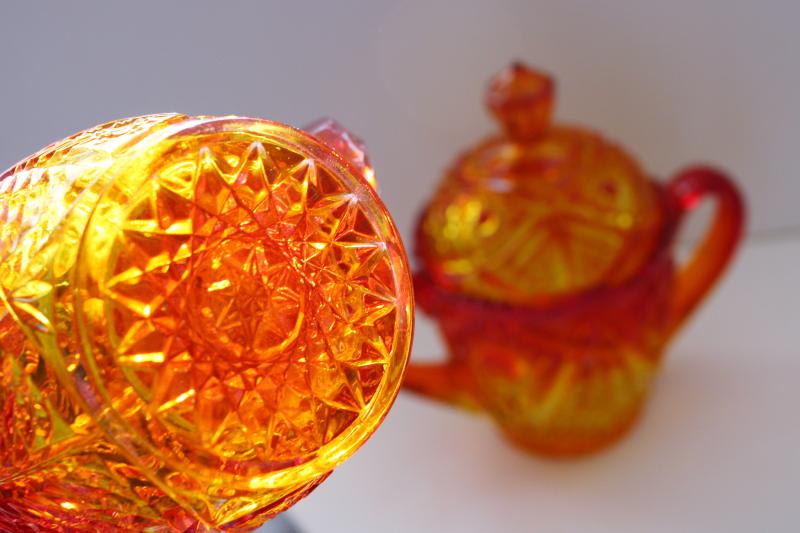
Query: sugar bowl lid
[540, 211]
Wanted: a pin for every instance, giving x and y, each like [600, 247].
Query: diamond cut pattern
[196, 279]
[270, 262]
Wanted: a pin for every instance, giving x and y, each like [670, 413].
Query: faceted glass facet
[546, 258]
[202, 317]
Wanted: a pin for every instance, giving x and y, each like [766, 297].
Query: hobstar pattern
[203, 317]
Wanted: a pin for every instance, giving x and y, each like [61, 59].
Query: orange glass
[546, 259]
[202, 317]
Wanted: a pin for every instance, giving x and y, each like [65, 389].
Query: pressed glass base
[573, 444]
[201, 318]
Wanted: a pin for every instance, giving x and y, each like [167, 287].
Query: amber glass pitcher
[547, 260]
[201, 317]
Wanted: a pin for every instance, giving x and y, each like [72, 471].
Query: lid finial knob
[522, 100]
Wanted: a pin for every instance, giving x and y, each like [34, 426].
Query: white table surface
[718, 448]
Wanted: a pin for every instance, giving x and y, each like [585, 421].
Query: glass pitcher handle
[716, 249]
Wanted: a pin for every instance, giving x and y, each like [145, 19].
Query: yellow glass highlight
[542, 211]
[202, 317]
[546, 258]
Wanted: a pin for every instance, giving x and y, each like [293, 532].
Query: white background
[674, 81]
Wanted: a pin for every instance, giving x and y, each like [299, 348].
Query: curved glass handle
[349, 147]
[700, 273]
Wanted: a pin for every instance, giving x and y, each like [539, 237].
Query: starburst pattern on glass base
[204, 316]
